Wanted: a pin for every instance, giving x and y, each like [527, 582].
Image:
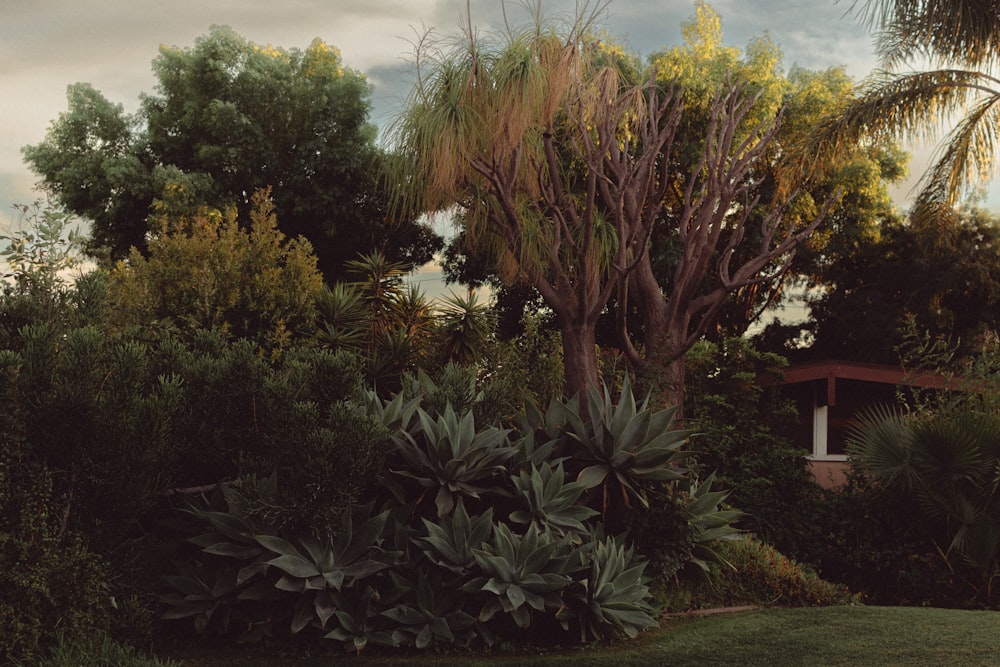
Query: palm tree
[948, 462]
[959, 41]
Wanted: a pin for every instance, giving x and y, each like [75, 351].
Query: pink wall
[829, 474]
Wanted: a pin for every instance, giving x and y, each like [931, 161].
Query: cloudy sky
[47, 44]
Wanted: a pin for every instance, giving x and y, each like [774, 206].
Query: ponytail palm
[552, 149]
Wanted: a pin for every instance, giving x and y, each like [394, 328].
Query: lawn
[816, 636]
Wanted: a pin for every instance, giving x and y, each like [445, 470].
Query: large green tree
[869, 293]
[559, 150]
[230, 117]
[955, 47]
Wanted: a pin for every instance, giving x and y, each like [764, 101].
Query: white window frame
[821, 421]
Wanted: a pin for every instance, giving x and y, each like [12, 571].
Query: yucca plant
[614, 599]
[343, 318]
[448, 458]
[522, 573]
[464, 327]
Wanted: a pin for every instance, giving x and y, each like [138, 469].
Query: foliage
[746, 439]
[464, 327]
[613, 599]
[549, 501]
[205, 272]
[529, 365]
[871, 294]
[755, 573]
[448, 458]
[621, 447]
[521, 573]
[52, 584]
[948, 464]
[459, 574]
[94, 650]
[230, 117]
[955, 46]
[40, 253]
[871, 540]
[376, 316]
[539, 137]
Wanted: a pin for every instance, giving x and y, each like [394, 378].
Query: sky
[46, 45]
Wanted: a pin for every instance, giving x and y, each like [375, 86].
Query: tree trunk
[579, 356]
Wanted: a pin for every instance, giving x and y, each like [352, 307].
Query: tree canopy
[565, 157]
[230, 117]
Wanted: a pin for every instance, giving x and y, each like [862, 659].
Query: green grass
[816, 636]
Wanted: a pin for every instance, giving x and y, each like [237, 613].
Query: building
[830, 393]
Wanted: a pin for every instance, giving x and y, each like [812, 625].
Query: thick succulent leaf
[515, 595]
[233, 550]
[593, 475]
[187, 585]
[295, 565]
[228, 525]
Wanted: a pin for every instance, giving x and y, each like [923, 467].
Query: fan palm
[950, 463]
[959, 40]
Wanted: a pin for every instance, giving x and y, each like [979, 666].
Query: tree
[733, 218]
[559, 152]
[960, 42]
[869, 292]
[230, 117]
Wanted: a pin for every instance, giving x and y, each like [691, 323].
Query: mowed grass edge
[849, 635]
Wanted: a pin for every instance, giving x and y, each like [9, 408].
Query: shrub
[744, 438]
[526, 559]
[51, 582]
[205, 272]
[871, 540]
[757, 574]
[93, 650]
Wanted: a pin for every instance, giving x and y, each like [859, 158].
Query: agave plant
[210, 591]
[356, 614]
[430, 612]
[710, 521]
[523, 573]
[614, 599]
[550, 501]
[314, 569]
[450, 459]
[211, 595]
[621, 446]
[449, 543]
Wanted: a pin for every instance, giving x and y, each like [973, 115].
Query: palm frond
[880, 440]
[962, 32]
[966, 157]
